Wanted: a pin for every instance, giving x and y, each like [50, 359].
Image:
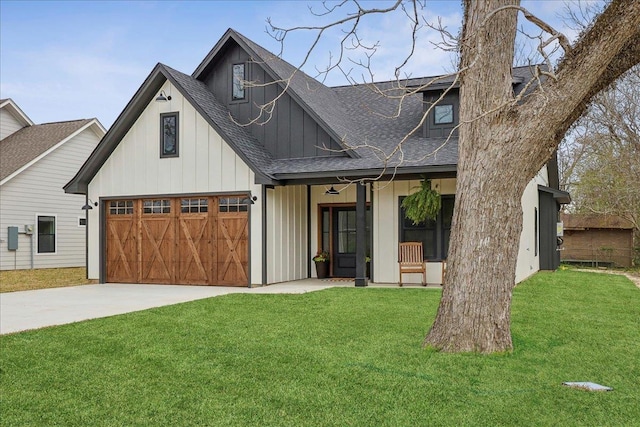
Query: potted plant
[322, 264]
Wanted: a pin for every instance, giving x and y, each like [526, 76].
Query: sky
[67, 60]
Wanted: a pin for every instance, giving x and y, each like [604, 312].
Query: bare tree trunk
[474, 313]
[502, 145]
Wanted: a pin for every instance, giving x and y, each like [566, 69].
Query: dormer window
[237, 83]
[443, 114]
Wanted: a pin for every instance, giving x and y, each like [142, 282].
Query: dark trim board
[548, 218]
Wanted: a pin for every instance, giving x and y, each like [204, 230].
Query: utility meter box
[28, 229]
[559, 229]
[12, 237]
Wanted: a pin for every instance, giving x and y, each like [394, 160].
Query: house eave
[562, 197]
[337, 176]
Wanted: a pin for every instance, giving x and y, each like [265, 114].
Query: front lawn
[338, 357]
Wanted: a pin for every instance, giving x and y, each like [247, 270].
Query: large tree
[504, 140]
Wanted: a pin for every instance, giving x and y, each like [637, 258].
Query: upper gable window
[169, 135]
[237, 83]
[443, 114]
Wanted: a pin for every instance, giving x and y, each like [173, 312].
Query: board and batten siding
[287, 245]
[386, 211]
[291, 132]
[8, 124]
[386, 229]
[206, 165]
[38, 191]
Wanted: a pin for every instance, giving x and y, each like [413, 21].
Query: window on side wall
[46, 234]
[169, 135]
[237, 82]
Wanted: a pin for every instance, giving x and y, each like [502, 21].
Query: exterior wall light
[162, 97]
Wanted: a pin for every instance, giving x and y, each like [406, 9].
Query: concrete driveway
[20, 311]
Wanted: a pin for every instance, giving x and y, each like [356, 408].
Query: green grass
[339, 357]
[41, 278]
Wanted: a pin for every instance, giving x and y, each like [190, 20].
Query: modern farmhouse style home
[196, 184]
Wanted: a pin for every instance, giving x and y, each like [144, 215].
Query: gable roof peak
[15, 111]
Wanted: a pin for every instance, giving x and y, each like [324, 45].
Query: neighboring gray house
[190, 194]
[40, 225]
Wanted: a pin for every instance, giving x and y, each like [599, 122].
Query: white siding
[8, 124]
[206, 165]
[386, 220]
[38, 191]
[528, 258]
[287, 246]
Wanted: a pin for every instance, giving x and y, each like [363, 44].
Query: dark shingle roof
[364, 120]
[28, 143]
[360, 118]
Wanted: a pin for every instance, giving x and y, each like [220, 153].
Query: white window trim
[35, 246]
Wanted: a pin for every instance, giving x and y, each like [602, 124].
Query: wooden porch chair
[411, 260]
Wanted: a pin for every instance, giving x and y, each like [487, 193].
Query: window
[434, 234]
[82, 222]
[232, 204]
[158, 206]
[443, 114]
[237, 82]
[194, 205]
[121, 207]
[169, 135]
[46, 234]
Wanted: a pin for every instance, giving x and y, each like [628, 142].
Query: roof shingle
[28, 143]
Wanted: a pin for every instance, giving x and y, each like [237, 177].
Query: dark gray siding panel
[283, 118]
[548, 214]
[310, 137]
[290, 133]
[297, 131]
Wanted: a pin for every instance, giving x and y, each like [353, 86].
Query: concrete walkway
[20, 311]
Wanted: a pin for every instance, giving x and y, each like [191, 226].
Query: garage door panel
[194, 249]
[157, 248]
[233, 249]
[121, 249]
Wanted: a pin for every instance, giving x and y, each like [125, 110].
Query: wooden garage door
[188, 240]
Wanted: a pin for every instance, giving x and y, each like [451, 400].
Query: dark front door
[343, 238]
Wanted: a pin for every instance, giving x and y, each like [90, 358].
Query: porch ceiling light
[332, 191]
[162, 97]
